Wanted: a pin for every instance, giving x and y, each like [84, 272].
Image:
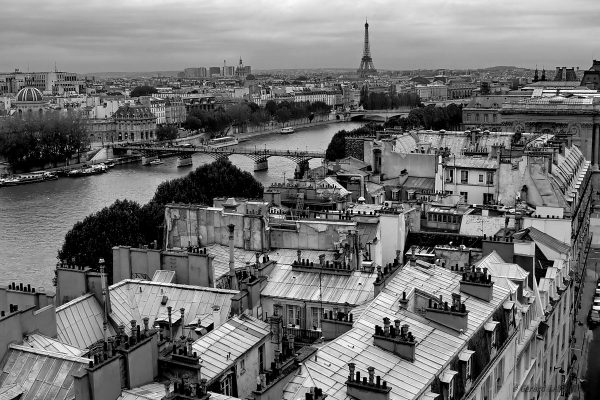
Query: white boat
[224, 141]
[287, 130]
[156, 162]
[184, 160]
[146, 160]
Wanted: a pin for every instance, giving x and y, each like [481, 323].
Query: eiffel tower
[366, 63]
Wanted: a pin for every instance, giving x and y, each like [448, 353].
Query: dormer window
[448, 379]
[491, 329]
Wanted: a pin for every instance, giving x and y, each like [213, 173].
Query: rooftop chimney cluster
[498, 238]
[11, 309]
[396, 339]
[398, 332]
[454, 316]
[315, 393]
[371, 387]
[456, 306]
[477, 283]
[382, 274]
[196, 250]
[190, 390]
[69, 264]
[339, 266]
[22, 288]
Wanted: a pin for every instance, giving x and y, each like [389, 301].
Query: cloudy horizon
[170, 35]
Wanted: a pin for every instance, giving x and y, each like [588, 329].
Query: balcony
[303, 336]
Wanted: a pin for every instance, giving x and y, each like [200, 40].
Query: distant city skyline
[159, 35]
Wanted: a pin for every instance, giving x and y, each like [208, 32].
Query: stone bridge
[376, 115]
[259, 156]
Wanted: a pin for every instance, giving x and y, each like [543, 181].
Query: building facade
[134, 123]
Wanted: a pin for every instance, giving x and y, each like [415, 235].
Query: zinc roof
[473, 162]
[133, 299]
[281, 256]
[220, 348]
[355, 288]
[28, 373]
[79, 322]
[500, 269]
[436, 344]
[41, 342]
[549, 241]
[414, 182]
[156, 391]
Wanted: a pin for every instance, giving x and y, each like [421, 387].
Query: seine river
[35, 218]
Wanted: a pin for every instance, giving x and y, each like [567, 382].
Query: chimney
[233, 278]
[169, 310]
[454, 317]
[477, 284]
[216, 313]
[413, 257]
[369, 388]
[397, 340]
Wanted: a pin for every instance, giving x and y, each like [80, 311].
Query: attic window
[465, 357]
[491, 328]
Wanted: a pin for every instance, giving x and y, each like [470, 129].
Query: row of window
[464, 177]
[485, 117]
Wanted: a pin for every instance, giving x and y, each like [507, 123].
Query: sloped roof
[414, 182]
[156, 391]
[355, 288]
[436, 344]
[133, 299]
[543, 238]
[79, 322]
[41, 342]
[498, 268]
[38, 374]
[281, 256]
[220, 348]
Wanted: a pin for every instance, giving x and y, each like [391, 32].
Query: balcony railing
[303, 336]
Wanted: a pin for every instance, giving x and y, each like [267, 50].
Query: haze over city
[135, 35]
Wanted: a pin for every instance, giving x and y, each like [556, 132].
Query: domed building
[29, 100]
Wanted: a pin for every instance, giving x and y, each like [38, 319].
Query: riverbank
[276, 128]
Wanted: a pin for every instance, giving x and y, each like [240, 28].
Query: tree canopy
[431, 117]
[337, 146]
[126, 223]
[383, 101]
[166, 132]
[143, 91]
[53, 137]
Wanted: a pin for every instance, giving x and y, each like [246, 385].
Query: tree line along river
[35, 218]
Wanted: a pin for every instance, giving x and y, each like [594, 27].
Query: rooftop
[436, 345]
[133, 299]
[355, 288]
[220, 348]
[27, 373]
[79, 322]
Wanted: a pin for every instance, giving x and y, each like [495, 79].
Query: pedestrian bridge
[259, 156]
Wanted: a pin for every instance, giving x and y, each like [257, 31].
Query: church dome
[29, 94]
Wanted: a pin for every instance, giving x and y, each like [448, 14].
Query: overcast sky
[149, 35]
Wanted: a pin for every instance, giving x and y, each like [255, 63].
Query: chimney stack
[232, 276]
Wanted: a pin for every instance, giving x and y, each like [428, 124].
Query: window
[485, 118]
[261, 358]
[476, 117]
[468, 117]
[317, 314]
[451, 389]
[485, 389]
[226, 386]
[293, 315]
[465, 196]
[489, 178]
[242, 366]
[488, 198]
[493, 338]
[499, 374]
[468, 368]
[480, 177]
[450, 177]
[494, 117]
[563, 337]
[464, 176]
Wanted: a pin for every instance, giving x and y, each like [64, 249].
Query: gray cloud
[133, 35]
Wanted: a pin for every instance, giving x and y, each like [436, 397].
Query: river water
[35, 218]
